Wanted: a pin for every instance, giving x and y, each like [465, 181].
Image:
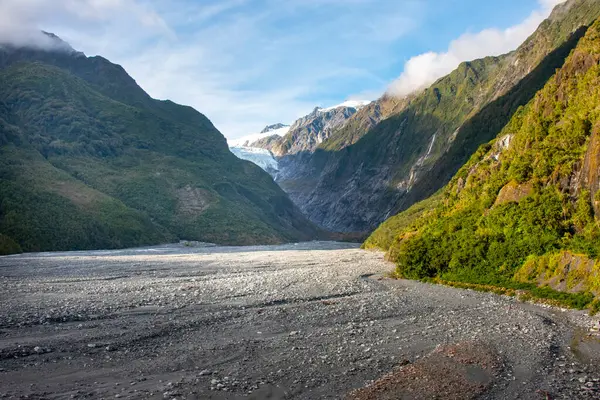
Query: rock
[38, 349]
[91, 345]
[205, 372]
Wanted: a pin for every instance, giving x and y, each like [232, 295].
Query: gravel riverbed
[306, 321]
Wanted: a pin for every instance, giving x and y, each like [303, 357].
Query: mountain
[274, 127]
[525, 209]
[366, 118]
[89, 160]
[356, 104]
[266, 148]
[276, 130]
[313, 129]
[269, 142]
[395, 152]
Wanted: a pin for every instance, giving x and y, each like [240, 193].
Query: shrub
[8, 246]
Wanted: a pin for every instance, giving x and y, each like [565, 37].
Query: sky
[249, 63]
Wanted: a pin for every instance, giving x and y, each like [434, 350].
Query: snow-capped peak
[358, 104]
[274, 127]
[247, 140]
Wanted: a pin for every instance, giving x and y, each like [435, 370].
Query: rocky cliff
[308, 132]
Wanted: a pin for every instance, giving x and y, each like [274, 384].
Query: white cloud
[243, 64]
[21, 21]
[422, 70]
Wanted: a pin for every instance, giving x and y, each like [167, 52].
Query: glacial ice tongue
[261, 157]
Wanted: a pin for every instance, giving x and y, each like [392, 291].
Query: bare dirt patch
[453, 372]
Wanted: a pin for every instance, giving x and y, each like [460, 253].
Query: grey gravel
[306, 321]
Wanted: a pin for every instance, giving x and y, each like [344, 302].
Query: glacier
[261, 157]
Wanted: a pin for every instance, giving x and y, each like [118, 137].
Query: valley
[440, 241]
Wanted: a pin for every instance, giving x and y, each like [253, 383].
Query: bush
[8, 246]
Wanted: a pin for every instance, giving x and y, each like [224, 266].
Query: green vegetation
[88, 160]
[8, 246]
[595, 307]
[528, 292]
[384, 235]
[520, 211]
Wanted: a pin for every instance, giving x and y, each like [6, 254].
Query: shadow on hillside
[325, 184]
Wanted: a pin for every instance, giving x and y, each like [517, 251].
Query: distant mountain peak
[58, 43]
[52, 36]
[278, 129]
[270, 128]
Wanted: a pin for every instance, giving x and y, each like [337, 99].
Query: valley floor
[306, 321]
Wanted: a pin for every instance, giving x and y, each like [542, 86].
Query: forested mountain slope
[89, 160]
[526, 207]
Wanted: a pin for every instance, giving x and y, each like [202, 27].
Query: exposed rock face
[310, 131]
[301, 139]
[365, 118]
[270, 128]
[395, 152]
[270, 143]
[193, 201]
[590, 173]
[513, 191]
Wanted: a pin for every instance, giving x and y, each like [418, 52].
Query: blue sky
[249, 63]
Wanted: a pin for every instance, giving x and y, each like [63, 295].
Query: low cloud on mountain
[422, 70]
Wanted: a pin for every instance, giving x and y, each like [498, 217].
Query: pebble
[367, 332]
